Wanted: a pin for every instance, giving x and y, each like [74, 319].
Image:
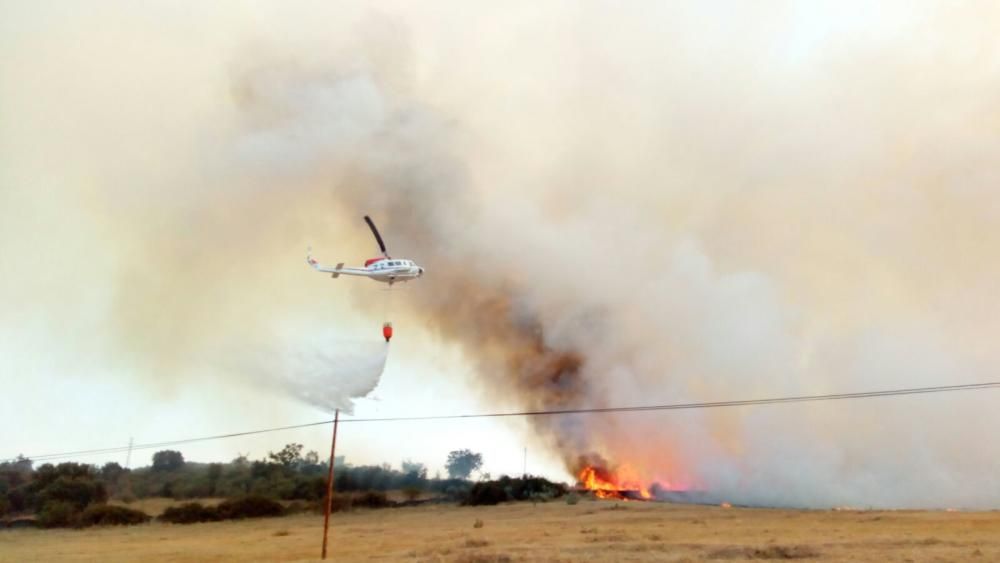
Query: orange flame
[605, 484]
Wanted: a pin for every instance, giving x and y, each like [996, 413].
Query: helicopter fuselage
[391, 270]
[383, 268]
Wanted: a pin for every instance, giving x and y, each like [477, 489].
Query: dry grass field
[588, 531]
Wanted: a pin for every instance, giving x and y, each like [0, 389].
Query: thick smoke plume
[617, 207]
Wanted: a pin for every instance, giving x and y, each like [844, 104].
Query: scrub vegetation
[75, 495]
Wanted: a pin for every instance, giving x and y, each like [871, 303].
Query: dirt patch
[484, 558]
[768, 552]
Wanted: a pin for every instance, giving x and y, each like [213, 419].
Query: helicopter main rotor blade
[378, 237]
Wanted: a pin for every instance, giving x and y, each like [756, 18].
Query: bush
[18, 500]
[72, 483]
[532, 488]
[57, 514]
[485, 493]
[372, 499]
[108, 515]
[249, 507]
[412, 493]
[507, 488]
[457, 493]
[572, 498]
[189, 513]
[339, 503]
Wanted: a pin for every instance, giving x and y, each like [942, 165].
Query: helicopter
[384, 268]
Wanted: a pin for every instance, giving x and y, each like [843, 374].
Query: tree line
[60, 493]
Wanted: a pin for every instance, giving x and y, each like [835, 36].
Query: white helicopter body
[384, 268]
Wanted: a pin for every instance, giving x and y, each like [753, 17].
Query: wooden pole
[329, 481]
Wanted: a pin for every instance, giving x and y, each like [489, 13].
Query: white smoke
[701, 202]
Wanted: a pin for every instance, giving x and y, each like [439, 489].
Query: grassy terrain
[588, 531]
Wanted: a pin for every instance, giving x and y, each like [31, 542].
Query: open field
[588, 531]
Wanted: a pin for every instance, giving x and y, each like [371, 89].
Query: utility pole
[128, 456]
[329, 481]
[127, 492]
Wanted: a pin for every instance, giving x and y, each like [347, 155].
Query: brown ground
[556, 531]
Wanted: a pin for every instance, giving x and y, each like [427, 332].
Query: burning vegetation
[594, 476]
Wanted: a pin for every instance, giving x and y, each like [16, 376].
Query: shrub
[80, 492]
[532, 488]
[507, 488]
[485, 493]
[372, 499]
[249, 507]
[18, 500]
[411, 493]
[109, 515]
[457, 492]
[313, 488]
[572, 498]
[189, 513]
[57, 514]
[339, 503]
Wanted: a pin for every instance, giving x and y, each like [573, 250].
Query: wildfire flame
[619, 485]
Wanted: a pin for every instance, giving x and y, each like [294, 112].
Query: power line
[580, 411]
[687, 406]
[120, 449]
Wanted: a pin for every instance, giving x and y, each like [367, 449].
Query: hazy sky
[102, 104]
[653, 202]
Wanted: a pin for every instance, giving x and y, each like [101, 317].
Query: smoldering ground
[614, 205]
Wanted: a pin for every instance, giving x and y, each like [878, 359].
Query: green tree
[214, 474]
[168, 460]
[289, 456]
[111, 472]
[461, 463]
[414, 468]
[73, 484]
[14, 479]
[414, 475]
